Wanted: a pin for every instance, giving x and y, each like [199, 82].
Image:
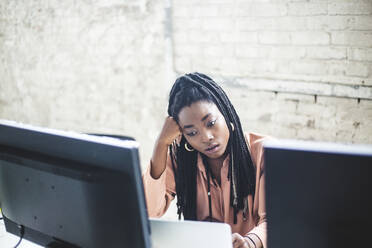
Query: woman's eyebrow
[205, 117]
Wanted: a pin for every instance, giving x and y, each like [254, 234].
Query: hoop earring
[232, 126]
[188, 148]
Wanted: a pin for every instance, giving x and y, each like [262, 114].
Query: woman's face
[204, 128]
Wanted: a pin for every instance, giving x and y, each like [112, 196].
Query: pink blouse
[160, 192]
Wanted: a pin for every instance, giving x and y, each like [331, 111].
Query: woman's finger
[238, 241]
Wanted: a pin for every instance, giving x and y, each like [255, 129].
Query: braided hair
[191, 88]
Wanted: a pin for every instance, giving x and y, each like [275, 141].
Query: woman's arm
[158, 179]
[259, 233]
[168, 134]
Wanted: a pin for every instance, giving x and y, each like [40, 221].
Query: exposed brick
[261, 9]
[318, 134]
[200, 36]
[254, 23]
[80, 58]
[186, 23]
[363, 133]
[283, 132]
[119, 49]
[287, 52]
[239, 37]
[362, 23]
[218, 24]
[360, 54]
[221, 51]
[187, 50]
[356, 69]
[229, 66]
[244, 51]
[295, 98]
[350, 8]
[225, 10]
[317, 22]
[304, 9]
[181, 37]
[289, 23]
[181, 11]
[341, 22]
[281, 38]
[316, 110]
[326, 53]
[335, 101]
[337, 68]
[254, 66]
[204, 10]
[291, 120]
[310, 38]
[309, 68]
[352, 38]
[367, 104]
[216, 1]
[283, 23]
[348, 22]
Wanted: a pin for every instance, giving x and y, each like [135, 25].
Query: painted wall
[293, 69]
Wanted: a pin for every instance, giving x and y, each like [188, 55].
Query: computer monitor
[318, 194]
[64, 189]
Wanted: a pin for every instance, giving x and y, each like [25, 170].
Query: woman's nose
[208, 136]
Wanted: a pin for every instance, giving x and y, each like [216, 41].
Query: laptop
[187, 234]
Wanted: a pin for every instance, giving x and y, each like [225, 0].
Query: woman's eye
[193, 133]
[211, 123]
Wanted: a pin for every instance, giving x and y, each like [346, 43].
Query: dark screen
[318, 198]
[72, 190]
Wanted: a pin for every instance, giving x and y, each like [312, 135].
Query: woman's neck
[215, 163]
[215, 166]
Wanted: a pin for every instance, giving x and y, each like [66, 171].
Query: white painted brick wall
[274, 38]
[100, 66]
[323, 41]
[299, 116]
[326, 53]
[310, 38]
[352, 38]
[360, 54]
[93, 66]
[257, 8]
[350, 7]
[307, 8]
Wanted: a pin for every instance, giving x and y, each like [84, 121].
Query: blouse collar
[201, 166]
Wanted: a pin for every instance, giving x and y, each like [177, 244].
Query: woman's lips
[212, 149]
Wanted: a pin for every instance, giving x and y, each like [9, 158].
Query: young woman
[203, 156]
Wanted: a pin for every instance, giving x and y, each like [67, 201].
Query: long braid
[195, 87]
[239, 148]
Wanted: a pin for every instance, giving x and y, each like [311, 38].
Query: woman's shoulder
[255, 139]
[255, 142]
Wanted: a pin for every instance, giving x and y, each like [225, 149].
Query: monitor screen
[64, 189]
[318, 194]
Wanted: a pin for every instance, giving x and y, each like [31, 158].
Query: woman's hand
[241, 242]
[168, 134]
[170, 131]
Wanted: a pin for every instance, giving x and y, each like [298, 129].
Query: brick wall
[295, 69]
[87, 66]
